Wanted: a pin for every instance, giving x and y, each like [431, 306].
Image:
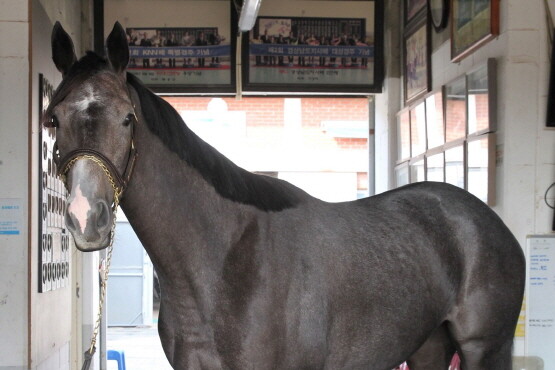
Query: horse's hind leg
[479, 354]
[435, 353]
[483, 329]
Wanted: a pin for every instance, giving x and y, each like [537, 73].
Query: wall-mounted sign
[192, 59]
[315, 54]
[54, 238]
[10, 216]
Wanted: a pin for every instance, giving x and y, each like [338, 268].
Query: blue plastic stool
[119, 356]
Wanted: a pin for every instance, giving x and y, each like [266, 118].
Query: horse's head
[94, 115]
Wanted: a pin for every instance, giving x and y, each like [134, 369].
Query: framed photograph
[435, 120]
[402, 174]
[454, 165]
[417, 60]
[403, 135]
[439, 13]
[417, 169]
[480, 167]
[418, 129]
[316, 55]
[473, 23]
[192, 59]
[481, 99]
[412, 8]
[550, 114]
[455, 110]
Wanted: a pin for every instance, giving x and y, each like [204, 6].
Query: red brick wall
[268, 112]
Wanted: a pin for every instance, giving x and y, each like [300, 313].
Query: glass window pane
[403, 135]
[417, 173]
[478, 164]
[455, 110]
[418, 129]
[435, 167]
[454, 166]
[402, 174]
[434, 120]
[478, 101]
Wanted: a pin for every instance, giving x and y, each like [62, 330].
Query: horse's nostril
[70, 224]
[103, 215]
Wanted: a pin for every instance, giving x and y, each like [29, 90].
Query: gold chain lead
[104, 275]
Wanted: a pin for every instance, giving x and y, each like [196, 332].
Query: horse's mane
[229, 180]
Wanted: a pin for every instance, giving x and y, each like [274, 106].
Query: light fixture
[249, 11]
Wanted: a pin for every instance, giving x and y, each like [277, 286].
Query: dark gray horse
[257, 274]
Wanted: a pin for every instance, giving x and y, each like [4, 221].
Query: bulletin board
[54, 238]
[540, 298]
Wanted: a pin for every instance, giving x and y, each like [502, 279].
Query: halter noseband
[118, 181]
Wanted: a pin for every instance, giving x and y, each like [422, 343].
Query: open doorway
[318, 144]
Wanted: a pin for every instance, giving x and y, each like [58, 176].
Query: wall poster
[182, 59]
[315, 54]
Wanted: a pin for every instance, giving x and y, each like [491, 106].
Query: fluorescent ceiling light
[249, 11]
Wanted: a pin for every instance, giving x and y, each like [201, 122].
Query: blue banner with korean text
[179, 51]
[308, 50]
[287, 51]
[178, 57]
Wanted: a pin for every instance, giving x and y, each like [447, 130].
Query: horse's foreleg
[435, 353]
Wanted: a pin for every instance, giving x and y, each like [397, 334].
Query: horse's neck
[182, 222]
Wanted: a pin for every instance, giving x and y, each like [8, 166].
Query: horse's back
[404, 262]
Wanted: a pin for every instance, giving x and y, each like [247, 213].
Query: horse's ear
[63, 52]
[117, 48]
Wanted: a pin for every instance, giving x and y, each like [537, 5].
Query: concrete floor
[141, 345]
[142, 348]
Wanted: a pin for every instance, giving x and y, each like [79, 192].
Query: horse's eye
[128, 119]
[54, 122]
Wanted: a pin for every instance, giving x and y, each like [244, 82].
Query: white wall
[14, 127]
[35, 328]
[56, 316]
[389, 102]
[525, 147]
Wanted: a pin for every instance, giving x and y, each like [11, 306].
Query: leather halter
[120, 181]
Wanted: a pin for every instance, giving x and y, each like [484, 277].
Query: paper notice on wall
[540, 306]
[10, 216]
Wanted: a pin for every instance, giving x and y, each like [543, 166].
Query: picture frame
[417, 59]
[315, 55]
[473, 24]
[550, 111]
[480, 167]
[196, 59]
[481, 92]
[412, 8]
